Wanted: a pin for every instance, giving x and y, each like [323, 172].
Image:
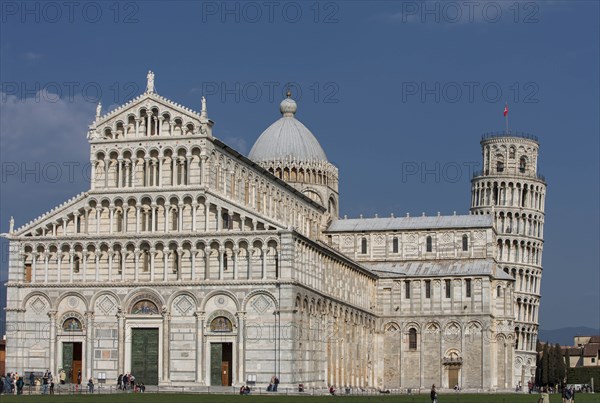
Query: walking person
[119, 381]
[275, 383]
[90, 385]
[433, 394]
[77, 386]
[51, 380]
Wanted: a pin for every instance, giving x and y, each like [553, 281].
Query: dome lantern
[288, 106]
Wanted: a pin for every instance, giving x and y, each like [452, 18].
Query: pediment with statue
[149, 115]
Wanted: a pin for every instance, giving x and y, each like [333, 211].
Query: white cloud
[44, 128]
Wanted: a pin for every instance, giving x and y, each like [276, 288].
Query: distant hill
[564, 335]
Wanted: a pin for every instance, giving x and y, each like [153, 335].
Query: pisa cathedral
[187, 263]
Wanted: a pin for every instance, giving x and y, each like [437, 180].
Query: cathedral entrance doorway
[453, 373]
[144, 355]
[221, 355]
[71, 360]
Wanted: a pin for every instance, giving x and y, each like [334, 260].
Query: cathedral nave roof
[438, 268]
[410, 223]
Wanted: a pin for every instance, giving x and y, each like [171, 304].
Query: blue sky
[387, 88]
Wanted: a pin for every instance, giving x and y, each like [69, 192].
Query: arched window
[226, 221]
[395, 245]
[221, 324]
[145, 260]
[332, 207]
[511, 153]
[412, 338]
[429, 244]
[175, 261]
[500, 166]
[465, 243]
[174, 219]
[225, 261]
[119, 220]
[363, 246]
[522, 164]
[498, 291]
[76, 261]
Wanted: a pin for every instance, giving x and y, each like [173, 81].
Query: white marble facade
[206, 248]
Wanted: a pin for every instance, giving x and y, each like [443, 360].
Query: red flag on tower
[505, 110]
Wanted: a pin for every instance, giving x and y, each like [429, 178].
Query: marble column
[52, 316]
[89, 338]
[121, 338]
[166, 361]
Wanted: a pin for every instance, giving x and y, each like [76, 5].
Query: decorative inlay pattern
[183, 304]
[106, 304]
[38, 305]
[73, 301]
[261, 304]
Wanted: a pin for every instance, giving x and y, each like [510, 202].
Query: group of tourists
[12, 383]
[127, 382]
[568, 395]
[47, 382]
[273, 385]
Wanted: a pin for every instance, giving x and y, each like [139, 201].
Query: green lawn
[204, 398]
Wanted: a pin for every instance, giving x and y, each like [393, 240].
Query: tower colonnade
[511, 190]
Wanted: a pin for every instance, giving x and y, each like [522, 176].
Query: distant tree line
[554, 369]
[551, 365]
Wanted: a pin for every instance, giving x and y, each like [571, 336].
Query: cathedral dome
[287, 139]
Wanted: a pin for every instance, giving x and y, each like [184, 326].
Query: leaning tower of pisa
[510, 188]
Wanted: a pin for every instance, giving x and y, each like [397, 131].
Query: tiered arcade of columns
[510, 188]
